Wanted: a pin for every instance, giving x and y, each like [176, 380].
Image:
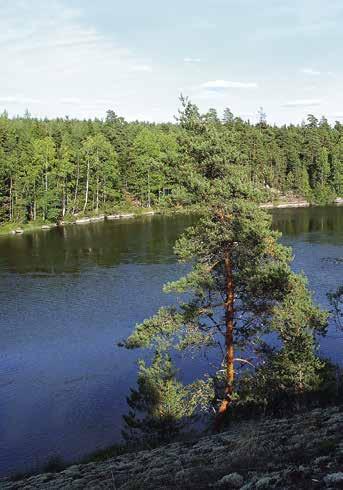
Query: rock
[294, 452]
[113, 216]
[264, 483]
[45, 227]
[94, 219]
[233, 480]
[322, 461]
[127, 215]
[334, 480]
[299, 204]
[82, 221]
[19, 231]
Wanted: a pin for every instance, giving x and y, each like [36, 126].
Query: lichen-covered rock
[233, 480]
[334, 480]
[303, 451]
[264, 483]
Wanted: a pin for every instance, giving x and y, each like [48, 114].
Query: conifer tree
[161, 405]
[240, 289]
[52, 169]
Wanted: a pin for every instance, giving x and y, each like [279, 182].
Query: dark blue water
[68, 295]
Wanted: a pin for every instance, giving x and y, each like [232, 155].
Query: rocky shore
[287, 203]
[296, 203]
[300, 452]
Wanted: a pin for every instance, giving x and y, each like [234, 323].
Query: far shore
[298, 203]
[19, 229]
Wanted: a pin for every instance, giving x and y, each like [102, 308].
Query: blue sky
[82, 57]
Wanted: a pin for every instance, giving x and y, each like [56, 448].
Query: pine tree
[294, 370]
[161, 406]
[240, 289]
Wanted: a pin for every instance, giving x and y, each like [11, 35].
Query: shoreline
[300, 203]
[315, 438]
[19, 229]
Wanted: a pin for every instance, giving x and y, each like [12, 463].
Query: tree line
[52, 169]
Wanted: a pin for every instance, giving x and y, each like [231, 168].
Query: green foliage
[307, 382]
[273, 317]
[270, 300]
[166, 322]
[54, 169]
[161, 405]
[323, 194]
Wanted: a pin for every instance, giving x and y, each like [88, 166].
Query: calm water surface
[68, 295]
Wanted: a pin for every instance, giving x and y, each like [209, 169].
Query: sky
[82, 57]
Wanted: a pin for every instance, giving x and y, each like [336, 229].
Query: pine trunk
[229, 321]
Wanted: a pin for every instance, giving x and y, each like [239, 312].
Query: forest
[54, 169]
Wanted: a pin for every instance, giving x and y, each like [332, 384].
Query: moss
[7, 228]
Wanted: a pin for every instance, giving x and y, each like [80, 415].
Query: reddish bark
[229, 321]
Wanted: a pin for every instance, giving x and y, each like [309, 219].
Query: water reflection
[67, 295]
[323, 224]
[72, 248]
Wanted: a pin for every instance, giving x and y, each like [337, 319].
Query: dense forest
[52, 169]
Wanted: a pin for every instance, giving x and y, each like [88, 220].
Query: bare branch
[244, 361]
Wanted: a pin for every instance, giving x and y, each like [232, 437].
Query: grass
[7, 228]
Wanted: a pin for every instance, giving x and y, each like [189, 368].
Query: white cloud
[70, 100]
[248, 115]
[48, 51]
[8, 100]
[303, 103]
[19, 100]
[143, 68]
[218, 89]
[56, 60]
[103, 101]
[201, 24]
[310, 71]
[225, 84]
[192, 60]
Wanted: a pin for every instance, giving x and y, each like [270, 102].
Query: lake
[69, 294]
